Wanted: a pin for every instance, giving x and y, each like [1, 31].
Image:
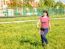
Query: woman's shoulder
[39, 17]
[49, 18]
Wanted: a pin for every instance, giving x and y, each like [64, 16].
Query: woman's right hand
[38, 24]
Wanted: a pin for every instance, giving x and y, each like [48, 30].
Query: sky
[61, 1]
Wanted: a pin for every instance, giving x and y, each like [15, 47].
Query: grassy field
[8, 19]
[25, 35]
[17, 18]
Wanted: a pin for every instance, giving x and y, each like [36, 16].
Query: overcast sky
[61, 1]
[55, 0]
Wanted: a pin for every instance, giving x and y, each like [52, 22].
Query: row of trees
[41, 4]
[51, 4]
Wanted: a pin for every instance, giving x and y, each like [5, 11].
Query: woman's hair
[45, 12]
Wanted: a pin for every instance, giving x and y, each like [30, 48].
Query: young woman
[44, 25]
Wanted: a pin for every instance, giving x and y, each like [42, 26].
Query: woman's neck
[45, 17]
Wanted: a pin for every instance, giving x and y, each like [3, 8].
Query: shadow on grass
[35, 43]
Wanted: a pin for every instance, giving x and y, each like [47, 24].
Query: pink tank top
[44, 22]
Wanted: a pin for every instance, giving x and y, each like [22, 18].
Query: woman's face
[45, 14]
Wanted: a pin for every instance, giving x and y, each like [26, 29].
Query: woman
[44, 23]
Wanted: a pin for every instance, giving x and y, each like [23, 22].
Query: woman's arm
[50, 25]
[38, 24]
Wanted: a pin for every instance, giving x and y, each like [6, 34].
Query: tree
[26, 3]
[15, 3]
[59, 4]
[46, 3]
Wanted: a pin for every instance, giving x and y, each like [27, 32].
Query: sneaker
[43, 45]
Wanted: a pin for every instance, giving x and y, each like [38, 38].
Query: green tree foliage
[51, 4]
[46, 3]
[42, 4]
[26, 3]
[59, 4]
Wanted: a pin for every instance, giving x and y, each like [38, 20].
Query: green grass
[26, 36]
[18, 18]
[27, 18]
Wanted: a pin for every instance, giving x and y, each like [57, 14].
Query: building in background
[3, 6]
[4, 11]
